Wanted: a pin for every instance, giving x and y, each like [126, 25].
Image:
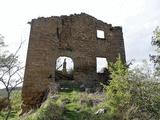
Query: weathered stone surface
[74, 36]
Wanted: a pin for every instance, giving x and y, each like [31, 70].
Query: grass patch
[16, 106]
[70, 105]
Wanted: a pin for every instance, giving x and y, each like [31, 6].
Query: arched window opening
[64, 68]
[102, 64]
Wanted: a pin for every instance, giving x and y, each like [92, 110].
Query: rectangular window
[100, 34]
[101, 64]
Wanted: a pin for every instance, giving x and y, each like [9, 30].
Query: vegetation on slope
[16, 106]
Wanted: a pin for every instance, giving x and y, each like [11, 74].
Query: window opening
[64, 68]
[100, 34]
[102, 64]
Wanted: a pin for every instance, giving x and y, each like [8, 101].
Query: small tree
[117, 93]
[10, 72]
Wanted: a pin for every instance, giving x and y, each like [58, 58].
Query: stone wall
[74, 36]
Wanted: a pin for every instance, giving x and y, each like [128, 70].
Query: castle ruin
[73, 36]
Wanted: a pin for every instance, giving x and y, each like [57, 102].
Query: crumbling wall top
[43, 19]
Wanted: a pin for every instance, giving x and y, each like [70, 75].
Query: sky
[138, 19]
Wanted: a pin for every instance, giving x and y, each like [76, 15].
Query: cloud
[138, 31]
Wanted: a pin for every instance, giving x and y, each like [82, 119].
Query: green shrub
[145, 101]
[117, 92]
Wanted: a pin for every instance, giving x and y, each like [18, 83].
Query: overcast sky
[138, 19]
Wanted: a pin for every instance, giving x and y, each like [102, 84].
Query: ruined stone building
[75, 36]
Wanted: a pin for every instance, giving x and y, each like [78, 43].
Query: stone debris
[100, 111]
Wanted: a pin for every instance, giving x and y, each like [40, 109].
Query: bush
[145, 101]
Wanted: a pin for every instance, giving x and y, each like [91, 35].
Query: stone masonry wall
[74, 36]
